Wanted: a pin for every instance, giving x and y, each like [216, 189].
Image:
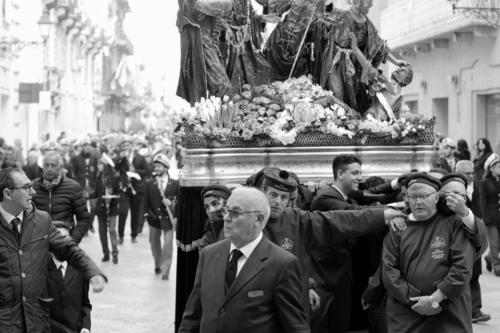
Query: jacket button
[21, 252]
[24, 299]
[221, 310]
[23, 275]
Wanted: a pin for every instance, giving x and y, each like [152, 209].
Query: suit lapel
[69, 274]
[26, 229]
[217, 277]
[250, 269]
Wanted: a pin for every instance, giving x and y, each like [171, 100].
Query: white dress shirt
[340, 191]
[59, 263]
[246, 250]
[9, 217]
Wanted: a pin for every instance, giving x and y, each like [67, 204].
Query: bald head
[252, 199]
[247, 213]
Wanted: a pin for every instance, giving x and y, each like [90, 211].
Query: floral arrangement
[283, 110]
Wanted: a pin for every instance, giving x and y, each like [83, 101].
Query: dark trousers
[475, 288]
[334, 314]
[135, 202]
[106, 225]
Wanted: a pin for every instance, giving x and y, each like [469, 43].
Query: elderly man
[61, 197]
[426, 268]
[32, 169]
[454, 191]
[26, 237]
[246, 283]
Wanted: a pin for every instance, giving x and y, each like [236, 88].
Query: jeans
[104, 226]
[494, 242]
[162, 255]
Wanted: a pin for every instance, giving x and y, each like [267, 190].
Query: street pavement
[138, 301]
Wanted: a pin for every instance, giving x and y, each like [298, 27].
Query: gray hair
[54, 154]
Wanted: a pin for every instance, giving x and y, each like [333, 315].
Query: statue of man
[336, 66]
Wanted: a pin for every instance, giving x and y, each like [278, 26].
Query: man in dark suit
[343, 275]
[133, 171]
[70, 308]
[245, 283]
[84, 171]
[159, 196]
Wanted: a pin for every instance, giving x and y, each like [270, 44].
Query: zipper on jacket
[50, 202]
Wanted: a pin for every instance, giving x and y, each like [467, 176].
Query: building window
[440, 111]
[413, 106]
[493, 120]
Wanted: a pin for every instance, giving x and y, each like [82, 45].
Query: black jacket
[85, 174]
[23, 271]
[33, 171]
[64, 203]
[155, 211]
[489, 191]
[102, 181]
[70, 309]
[140, 166]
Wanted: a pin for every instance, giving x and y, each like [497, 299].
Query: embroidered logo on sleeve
[437, 245]
[287, 244]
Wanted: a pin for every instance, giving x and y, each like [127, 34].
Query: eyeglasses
[420, 196]
[234, 213]
[28, 186]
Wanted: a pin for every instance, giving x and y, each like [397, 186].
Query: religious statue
[220, 48]
[336, 68]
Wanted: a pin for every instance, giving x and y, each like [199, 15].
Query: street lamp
[44, 25]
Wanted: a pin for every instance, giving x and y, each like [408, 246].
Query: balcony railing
[408, 22]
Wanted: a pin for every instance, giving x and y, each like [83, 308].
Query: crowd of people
[351, 271]
[276, 255]
[70, 183]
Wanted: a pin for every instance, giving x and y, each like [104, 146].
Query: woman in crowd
[462, 152]
[489, 192]
[483, 151]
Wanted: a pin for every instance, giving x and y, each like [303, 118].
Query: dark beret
[215, 190]
[279, 179]
[256, 179]
[455, 176]
[422, 178]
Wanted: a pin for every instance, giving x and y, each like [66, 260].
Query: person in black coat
[32, 169]
[132, 185]
[341, 293]
[107, 187]
[214, 200]
[61, 197]
[489, 192]
[84, 171]
[160, 194]
[70, 308]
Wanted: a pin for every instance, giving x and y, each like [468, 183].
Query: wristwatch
[434, 304]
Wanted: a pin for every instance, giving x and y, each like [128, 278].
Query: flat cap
[163, 159]
[491, 160]
[447, 142]
[423, 178]
[455, 176]
[215, 190]
[279, 179]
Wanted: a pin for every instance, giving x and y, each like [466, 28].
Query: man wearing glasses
[426, 268]
[26, 237]
[246, 283]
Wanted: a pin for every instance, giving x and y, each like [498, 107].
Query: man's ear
[7, 193]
